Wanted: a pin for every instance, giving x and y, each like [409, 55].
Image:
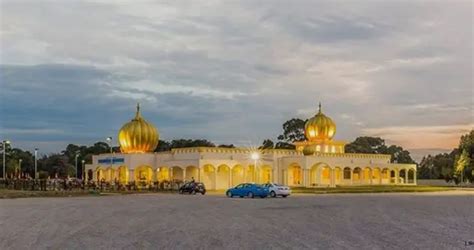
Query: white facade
[221, 168]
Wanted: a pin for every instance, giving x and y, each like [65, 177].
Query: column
[396, 176]
[352, 180]
[132, 175]
[199, 174]
[370, 176]
[230, 178]
[380, 176]
[318, 176]
[215, 178]
[406, 176]
[414, 177]
[332, 179]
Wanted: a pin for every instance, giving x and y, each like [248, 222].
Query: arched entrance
[294, 175]
[266, 174]
[347, 175]
[250, 174]
[313, 175]
[402, 174]
[385, 176]
[376, 176]
[393, 176]
[223, 177]
[162, 174]
[356, 175]
[143, 175]
[411, 176]
[122, 174]
[208, 176]
[100, 174]
[237, 175]
[326, 176]
[109, 175]
[192, 172]
[177, 174]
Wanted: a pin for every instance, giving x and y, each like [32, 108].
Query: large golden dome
[138, 135]
[320, 127]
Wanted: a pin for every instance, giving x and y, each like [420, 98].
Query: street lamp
[83, 170]
[19, 165]
[4, 146]
[77, 155]
[109, 141]
[36, 163]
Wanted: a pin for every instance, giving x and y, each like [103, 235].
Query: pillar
[406, 176]
[215, 179]
[414, 177]
[380, 176]
[352, 177]
[397, 174]
[131, 176]
[332, 177]
[318, 176]
[370, 176]
[230, 178]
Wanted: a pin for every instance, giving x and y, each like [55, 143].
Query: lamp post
[77, 155]
[109, 141]
[4, 146]
[83, 170]
[255, 156]
[19, 165]
[36, 163]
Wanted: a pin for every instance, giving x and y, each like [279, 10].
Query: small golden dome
[320, 127]
[138, 135]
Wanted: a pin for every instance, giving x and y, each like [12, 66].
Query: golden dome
[320, 127]
[138, 135]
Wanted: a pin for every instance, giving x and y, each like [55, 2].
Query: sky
[234, 71]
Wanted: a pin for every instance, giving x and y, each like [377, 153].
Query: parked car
[193, 188]
[278, 190]
[249, 190]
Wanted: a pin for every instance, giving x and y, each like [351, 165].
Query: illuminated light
[255, 156]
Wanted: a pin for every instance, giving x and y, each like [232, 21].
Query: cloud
[233, 71]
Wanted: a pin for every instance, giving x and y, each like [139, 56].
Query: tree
[267, 144]
[376, 145]
[226, 146]
[284, 145]
[293, 130]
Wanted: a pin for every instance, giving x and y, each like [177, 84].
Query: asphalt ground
[443, 220]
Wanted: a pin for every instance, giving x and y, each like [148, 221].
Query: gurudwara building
[319, 161]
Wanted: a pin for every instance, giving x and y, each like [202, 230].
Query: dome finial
[137, 115]
[319, 107]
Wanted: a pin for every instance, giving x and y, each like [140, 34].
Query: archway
[177, 174]
[192, 172]
[266, 174]
[90, 175]
[347, 174]
[366, 175]
[208, 176]
[376, 176]
[109, 174]
[385, 176]
[143, 175]
[411, 176]
[250, 173]
[313, 175]
[402, 174]
[162, 174]
[393, 176]
[237, 175]
[122, 174]
[326, 175]
[356, 175]
[294, 175]
[100, 174]
[223, 177]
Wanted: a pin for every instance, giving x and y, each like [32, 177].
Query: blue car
[248, 189]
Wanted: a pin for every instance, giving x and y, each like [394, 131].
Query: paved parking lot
[366, 221]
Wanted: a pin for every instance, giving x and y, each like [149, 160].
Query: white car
[278, 190]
